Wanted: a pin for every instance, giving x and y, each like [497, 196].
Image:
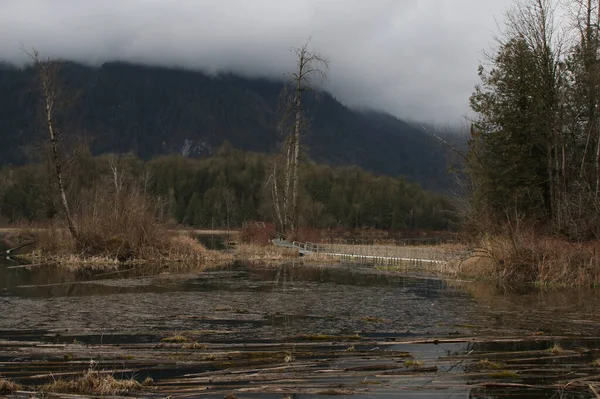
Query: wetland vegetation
[114, 297]
[269, 331]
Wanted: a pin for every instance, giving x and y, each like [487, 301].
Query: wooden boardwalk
[378, 254]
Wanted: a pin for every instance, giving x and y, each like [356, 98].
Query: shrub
[529, 257]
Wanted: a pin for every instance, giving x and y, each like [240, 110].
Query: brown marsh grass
[528, 257]
[177, 251]
[265, 253]
[7, 387]
[117, 222]
[177, 339]
[95, 383]
[486, 364]
[556, 349]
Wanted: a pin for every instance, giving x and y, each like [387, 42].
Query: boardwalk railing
[378, 254]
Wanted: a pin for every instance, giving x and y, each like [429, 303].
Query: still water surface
[342, 318]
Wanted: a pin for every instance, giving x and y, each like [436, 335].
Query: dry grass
[556, 349]
[370, 382]
[289, 358]
[442, 252]
[489, 365]
[265, 253]
[596, 363]
[185, 249]
[176, 250]
[116, 224]
[505, 374]
[178, 339]
[438, 260]
[195, 345]
[96, 383]
[476, 266]
[7, 387]
[413, 363]
[527, 257]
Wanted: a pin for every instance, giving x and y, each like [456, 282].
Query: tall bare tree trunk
[48, 77]
[308, 65]
[58, 172]
[295, 163]
[288, 184]
[275, 195]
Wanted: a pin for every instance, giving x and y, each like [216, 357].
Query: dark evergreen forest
[228, 189]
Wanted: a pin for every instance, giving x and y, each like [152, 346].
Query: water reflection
[403, 301]
[245, 304]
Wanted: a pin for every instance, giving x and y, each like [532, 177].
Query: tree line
[534, 154]
[228, 189]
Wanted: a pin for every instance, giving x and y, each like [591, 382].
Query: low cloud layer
[416, 59]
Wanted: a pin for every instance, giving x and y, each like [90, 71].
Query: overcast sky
[416, 59]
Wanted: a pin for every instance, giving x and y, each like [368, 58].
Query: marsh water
[297, 330]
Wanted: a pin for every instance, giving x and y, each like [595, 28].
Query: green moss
[370, 319]
[504, 374]
[175, 339]
[412, 363]
[488, 365]
[370, 382]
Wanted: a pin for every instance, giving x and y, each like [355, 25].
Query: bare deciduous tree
[310, 66]
[47, 71]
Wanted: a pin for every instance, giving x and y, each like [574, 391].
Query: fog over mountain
[416, 59]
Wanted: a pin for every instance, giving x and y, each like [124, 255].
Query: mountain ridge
[152, 111]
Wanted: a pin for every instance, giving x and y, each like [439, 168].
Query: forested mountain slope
[153, 111]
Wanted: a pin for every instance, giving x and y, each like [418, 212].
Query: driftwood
[594, 391]
[218, 369]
